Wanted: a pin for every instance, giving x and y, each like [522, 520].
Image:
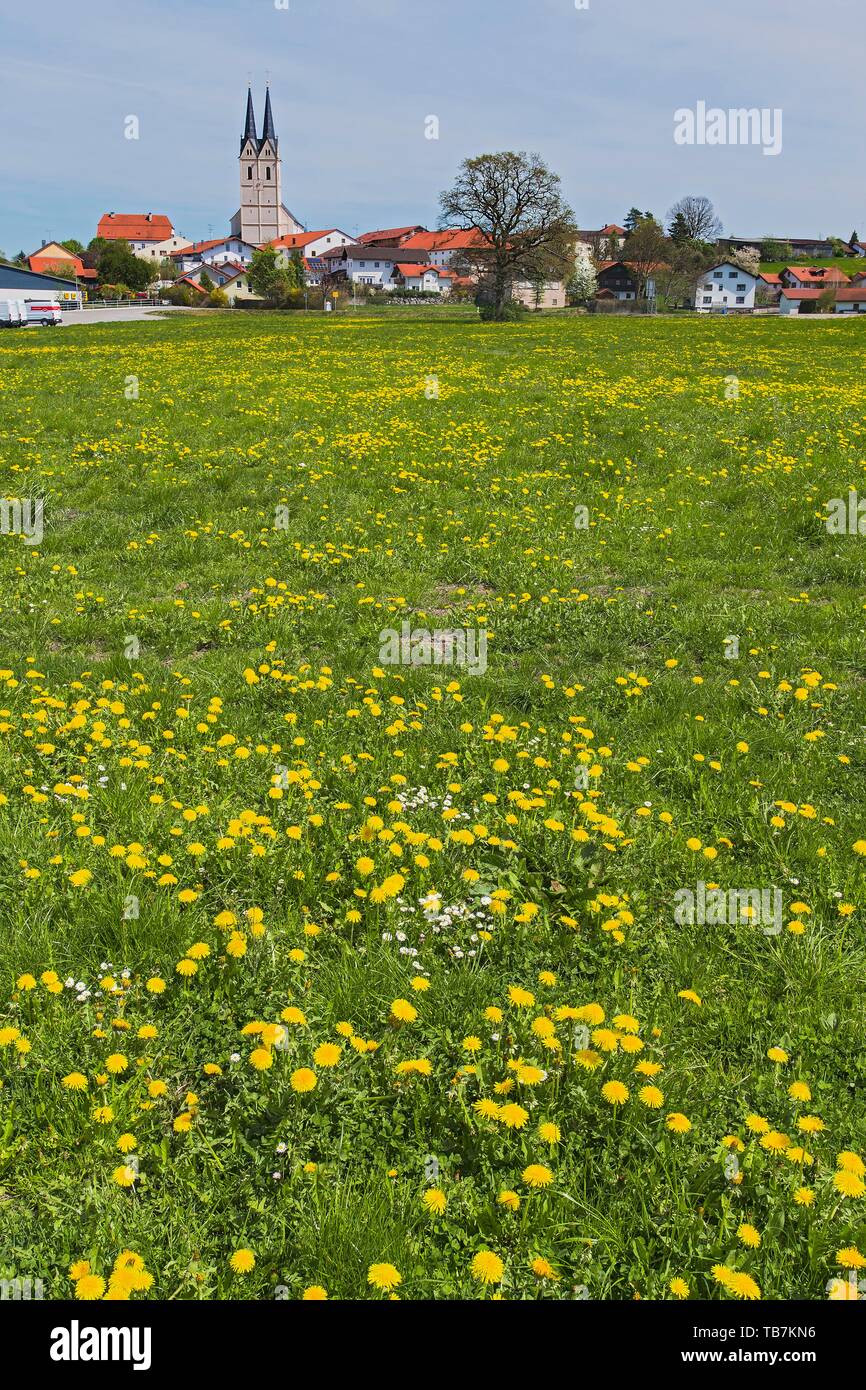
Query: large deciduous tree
[696, 218]
[527, 231]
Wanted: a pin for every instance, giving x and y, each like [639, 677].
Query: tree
[118, 264]
[205, 282]
[854, 240]
[773, 250]
[73, 246]
[582, 285]
[527, 229]
[747, 258]
[684, 263]
[826, 300]
[62, 270]
[645, 250]
[20, 259]
[678, 230]
[633, 219]
[270, 276]
[698, 218]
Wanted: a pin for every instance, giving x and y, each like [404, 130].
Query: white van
[43, 311]
[12, 313]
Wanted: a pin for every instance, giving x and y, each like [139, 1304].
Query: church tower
[262, 215]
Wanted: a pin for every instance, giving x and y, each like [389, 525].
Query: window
[718, 274]
[250, 172]
[708, 299]
[268, 172]
[741, 299]
[732, 275]
[741, 287]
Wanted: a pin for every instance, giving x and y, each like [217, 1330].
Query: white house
[312, 243]
[725, 286]
[431, 279]
[156, 250]
[372, 265]
[230, 248]
[850, 300]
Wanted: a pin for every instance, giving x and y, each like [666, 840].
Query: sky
[592, 85]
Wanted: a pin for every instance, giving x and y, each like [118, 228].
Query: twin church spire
[268, 130]
[262, 216]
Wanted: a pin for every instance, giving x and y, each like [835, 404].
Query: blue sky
[352, 81]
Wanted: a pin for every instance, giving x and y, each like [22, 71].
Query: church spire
[268, 131]
[250, 124]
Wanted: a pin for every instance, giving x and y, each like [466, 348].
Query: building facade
[725, 286]
[262, 215]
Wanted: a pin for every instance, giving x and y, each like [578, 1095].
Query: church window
[250, 172]
[268, 172]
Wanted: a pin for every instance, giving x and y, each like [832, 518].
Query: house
[428, 279]
[213, 252]
[389, 236]
[312, 243]
[857, 279]
[550, 294]
[371, 265]
[218, 274]
[850, 300]
[143, 230]
[161, 250]
[795, 277]
[51, 257]
[16, 282]
[792, 301]
[447, 245]
[623, 281]
[725, 287]
[238, 287]
[818, 247]
[593, 244]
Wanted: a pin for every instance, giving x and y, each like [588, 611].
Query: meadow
[327, 977]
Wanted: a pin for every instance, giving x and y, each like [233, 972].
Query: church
[262, 215]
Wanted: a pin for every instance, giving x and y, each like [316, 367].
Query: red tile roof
[300, 239]
[410, 269]
[802, 294]
[612, 230]
[45, 262]
[770, 277]
[389, 235]
[134, 226]
[448, 239]
[818, 275]
[849, 295]
[185, 280]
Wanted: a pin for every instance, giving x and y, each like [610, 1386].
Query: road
[122, 314]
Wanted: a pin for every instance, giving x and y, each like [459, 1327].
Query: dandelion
[304, 1079]
[435, 1201]
[384, 1277]
[678, 1123]
[243, 1261]
[487, 1267]
[314, 1294]
[614, 1092]
[679, 1288]
[536, 1175]
[749, 1235]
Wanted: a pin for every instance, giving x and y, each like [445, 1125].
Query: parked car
[13, 313]
[43, 311]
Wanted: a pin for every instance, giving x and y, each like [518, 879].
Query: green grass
[253, 500]
[849, 264]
